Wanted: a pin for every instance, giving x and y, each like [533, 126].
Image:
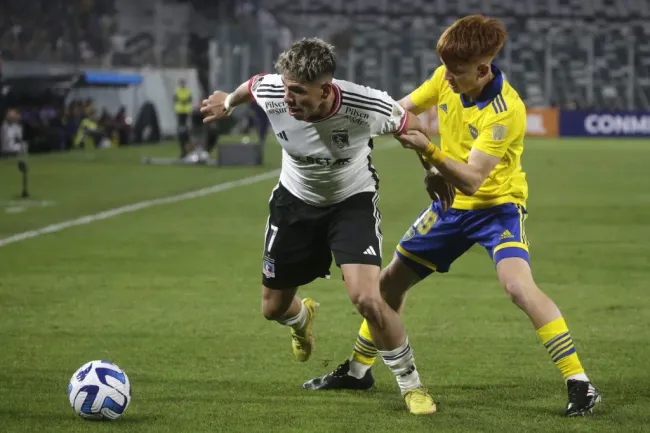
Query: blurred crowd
[77, 125]
[56, 30]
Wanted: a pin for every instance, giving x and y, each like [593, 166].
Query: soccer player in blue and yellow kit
[482, 126]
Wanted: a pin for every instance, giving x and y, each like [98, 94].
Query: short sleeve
[390, 117]
[499, 132]
[426, 96]
[255, 82]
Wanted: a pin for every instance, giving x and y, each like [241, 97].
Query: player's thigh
[354, 231]
[362, 281]
[395, 280]
[501, 231]
[434, 241]
[296, 250]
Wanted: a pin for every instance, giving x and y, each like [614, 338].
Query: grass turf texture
[172, 295]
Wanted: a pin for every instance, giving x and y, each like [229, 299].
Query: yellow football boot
[419, 402]
[302, 341]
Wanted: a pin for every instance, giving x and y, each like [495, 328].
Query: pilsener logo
[624, 124]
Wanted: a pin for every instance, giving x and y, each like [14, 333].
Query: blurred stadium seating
[572, 54]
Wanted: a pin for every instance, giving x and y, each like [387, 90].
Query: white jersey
[328, 160]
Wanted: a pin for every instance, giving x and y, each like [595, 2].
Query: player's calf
[280, 304]
[355, 372]
[388, 333]
[284, 307]
[516, 277]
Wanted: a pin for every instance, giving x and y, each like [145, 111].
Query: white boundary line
[53, 228]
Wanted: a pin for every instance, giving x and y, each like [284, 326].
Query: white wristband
[226, 103]
[432, 170]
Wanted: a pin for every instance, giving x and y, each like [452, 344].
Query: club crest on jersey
[473, 131]
[340, 138]
[443, 107]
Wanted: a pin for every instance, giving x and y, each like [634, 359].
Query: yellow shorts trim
[415, 258]
[521, 245]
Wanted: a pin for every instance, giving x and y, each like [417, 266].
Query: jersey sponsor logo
[473, 131]
[340, 138]
[443, 107]
[274, 107]
[356, 116]
[355, 120]
[356, 113]
[499, 132]
[282, 135]
[310, 160]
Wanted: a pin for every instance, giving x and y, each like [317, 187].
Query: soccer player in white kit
[326, 199]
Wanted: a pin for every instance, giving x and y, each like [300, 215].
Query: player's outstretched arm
[409, 105]
[467, 177]
[220, 104]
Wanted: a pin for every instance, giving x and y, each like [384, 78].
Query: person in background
[122, 126]
[12, 141]
[90, 133]
[183, 109]
[2, 105]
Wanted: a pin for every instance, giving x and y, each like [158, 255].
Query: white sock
[358, 369]
[298, 321]
[402, 363]
[580, 376]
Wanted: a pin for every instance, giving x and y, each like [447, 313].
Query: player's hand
[413, 139]
[213, 107]
[439, 189]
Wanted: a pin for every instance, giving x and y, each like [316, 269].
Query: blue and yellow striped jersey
[495, 123]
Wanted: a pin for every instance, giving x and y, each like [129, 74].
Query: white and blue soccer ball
[99, 390]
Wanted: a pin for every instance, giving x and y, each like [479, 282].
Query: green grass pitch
[172, 295]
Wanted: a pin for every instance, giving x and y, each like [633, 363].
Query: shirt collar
[490, 91]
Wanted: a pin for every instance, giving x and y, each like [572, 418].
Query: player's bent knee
[368, 304]
[521, 291]
[271, 310]
[517, 280]
[275, 303]
[515, 291]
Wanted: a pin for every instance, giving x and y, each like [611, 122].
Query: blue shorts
[436, 238]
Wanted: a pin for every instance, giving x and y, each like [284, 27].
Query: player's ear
[483, 70]
[326, 89]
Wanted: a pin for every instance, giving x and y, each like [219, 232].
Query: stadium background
[108, 258]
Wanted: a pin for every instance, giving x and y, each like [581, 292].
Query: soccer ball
[99, 390]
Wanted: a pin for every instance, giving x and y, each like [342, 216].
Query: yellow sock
[365, 351]
[557, 340]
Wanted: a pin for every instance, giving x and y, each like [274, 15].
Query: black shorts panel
[296, 249]
[301, 238]
[354, 231]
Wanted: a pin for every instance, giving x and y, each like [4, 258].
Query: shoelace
[341, 369]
